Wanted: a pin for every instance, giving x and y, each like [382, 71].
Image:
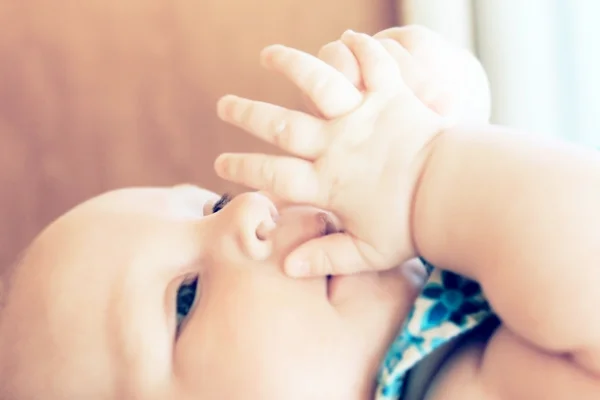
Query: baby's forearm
[522, 216]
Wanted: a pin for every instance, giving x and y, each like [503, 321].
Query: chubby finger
[380, 73]
[414, 75]
[295, 132]
[339, 56]
[288, 178]
[335, 254]
[328, 89]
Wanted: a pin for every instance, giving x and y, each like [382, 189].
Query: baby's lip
[329, 223]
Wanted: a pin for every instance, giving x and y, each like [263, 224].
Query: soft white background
[542, 58]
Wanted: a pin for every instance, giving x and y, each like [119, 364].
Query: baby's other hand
[447, 78]
[362, 161]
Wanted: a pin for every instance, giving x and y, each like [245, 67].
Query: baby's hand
[447, 78]
[363, 166]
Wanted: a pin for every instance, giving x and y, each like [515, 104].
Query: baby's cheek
[381, 303]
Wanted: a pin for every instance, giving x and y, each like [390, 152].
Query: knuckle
[283, 133]
[268, 174]
[246, 114]
[293, 134]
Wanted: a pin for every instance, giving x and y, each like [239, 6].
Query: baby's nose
[250, 216]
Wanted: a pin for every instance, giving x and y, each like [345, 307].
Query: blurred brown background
[101, 94]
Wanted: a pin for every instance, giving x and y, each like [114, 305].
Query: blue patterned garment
[449, 305]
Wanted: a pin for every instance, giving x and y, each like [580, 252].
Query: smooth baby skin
[84, 285]
[530, 239]
[90, 311]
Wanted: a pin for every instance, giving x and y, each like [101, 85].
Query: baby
[107, 304]
[91, 309]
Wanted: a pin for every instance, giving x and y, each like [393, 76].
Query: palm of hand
[369, 174]
[362, 166]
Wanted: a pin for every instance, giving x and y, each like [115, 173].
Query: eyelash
[221, 203]
[186, 296]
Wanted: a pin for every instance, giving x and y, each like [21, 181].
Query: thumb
[335, 254]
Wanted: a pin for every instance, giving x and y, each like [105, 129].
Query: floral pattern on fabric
[449, 305]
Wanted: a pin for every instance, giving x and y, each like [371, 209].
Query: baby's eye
[221, 203]
[186, 295]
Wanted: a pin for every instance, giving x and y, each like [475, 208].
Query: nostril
[264, 229]
[274, 213]
[267, 226]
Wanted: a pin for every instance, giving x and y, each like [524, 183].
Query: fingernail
[265, 56]
[268, 53]
[224, 166]
[224, 106]
[348, 33]
[219, 165]
[298, 269]
[272, 49]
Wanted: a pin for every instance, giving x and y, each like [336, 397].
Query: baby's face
[92, 310]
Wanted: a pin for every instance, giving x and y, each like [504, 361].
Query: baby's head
[91, 309]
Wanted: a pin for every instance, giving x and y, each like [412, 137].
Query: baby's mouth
[329, 224]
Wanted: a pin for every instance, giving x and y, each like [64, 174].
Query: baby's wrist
[441, 196]
[438, 192]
